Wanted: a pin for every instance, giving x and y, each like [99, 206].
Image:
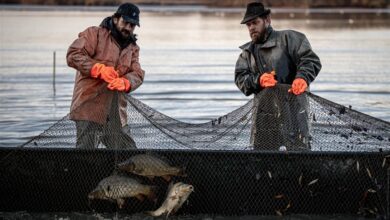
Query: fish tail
[151, 193]
[152, 213]
[155, 213]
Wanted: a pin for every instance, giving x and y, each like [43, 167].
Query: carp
[118, 188]
[177, 195]
[150, 166]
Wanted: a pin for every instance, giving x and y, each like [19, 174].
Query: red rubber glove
[121, 84]
[298, 86]
[106, 73]
[267, 80]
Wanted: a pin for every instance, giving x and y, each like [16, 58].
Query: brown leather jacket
[91, 98]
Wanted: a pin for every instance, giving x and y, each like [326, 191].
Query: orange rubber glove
[298, 86]
[121, 84]
[106, 73]
[267, 80]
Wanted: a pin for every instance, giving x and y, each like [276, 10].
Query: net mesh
[273, 119]
[278, 154]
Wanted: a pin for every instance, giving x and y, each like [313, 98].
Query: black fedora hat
[254, 10]
[129, 13]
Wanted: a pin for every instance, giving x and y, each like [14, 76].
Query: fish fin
[140, 197]
[151, 194]
[174, 210]
[176, 171]
[149, 213]
[170, 186]
[155, 213]
[152, 155]
[152, 213]
[166, 178]
[166, 217]
[127, 166]
[182, 172]
[120, 202]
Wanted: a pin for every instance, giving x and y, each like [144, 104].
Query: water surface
[189, 59]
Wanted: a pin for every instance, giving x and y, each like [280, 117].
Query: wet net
[275, 118]
[279, 154]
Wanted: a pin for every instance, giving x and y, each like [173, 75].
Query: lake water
[189, 59]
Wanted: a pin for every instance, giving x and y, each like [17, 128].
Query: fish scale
[150, 166]
[116, 187]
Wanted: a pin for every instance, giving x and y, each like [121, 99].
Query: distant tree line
[63, 2]
[308, 3]
[217, 3]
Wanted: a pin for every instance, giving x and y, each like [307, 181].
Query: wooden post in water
[54, 73]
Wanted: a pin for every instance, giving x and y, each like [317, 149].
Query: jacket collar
[270, 41]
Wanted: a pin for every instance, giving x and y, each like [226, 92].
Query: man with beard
[107, 62]
[272, 58]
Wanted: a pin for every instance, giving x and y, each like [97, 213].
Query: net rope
[273, 119]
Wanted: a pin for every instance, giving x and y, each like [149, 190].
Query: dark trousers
[111, 134]
[90, 134]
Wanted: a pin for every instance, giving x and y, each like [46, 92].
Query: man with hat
[271, 58]
[107, 62]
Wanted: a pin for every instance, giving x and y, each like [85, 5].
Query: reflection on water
[189, 59]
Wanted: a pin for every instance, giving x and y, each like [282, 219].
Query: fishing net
[274, 119]
[279, 154]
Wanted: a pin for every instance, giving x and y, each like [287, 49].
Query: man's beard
[260, 37]
[125, 34]
[109, 24]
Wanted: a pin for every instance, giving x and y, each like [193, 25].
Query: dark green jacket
[287, 52]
